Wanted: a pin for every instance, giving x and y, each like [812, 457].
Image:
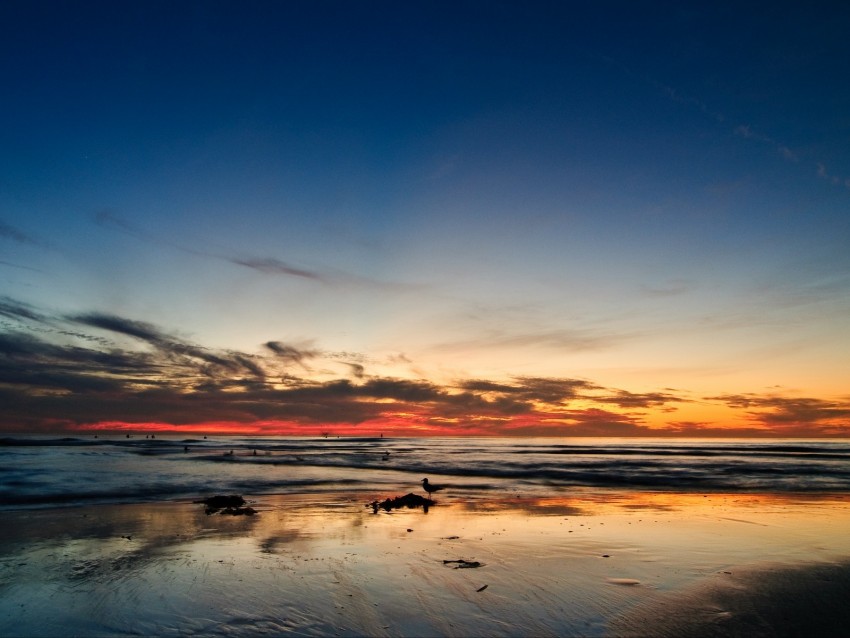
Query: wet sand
[763, 600]
[583, 563]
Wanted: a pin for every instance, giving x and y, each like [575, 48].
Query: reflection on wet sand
[556, 566]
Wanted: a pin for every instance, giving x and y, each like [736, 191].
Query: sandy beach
[591, 562]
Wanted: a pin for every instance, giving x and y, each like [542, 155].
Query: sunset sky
[508, 218]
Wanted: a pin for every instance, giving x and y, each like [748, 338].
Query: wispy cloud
[575, 340]
[358, 370]
[271, 266]
[230, 362]
[264, 264]
[19, 266]
[832, 179]
[111, 220]
[671, 288]
[745, 131]
[626, 399]
[290, 353]
[782, 413]
[10, 232]
[14, 309]
[688, 100]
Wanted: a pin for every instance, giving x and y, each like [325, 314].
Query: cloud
[247, 362]
[782, 413]
[108, 219]
[16, 310]
[562, 339]
[481, 385]
[74, 383]
[594, 422]
[328, 277]
[150, 334]
[271, 266]
[19, 266]
[262, 264]
[748, 133]
[112, 221]
[706, 429]
[290, 353]
[672, 288]
[401, 390]
[667, 90]
[626, 399]
[553, 390]
[267, 265]
[49, 382]
[744, 131]
[676, 96]
[30, 364]
[139, 329]
[832, 179]
[527, 390]
[358, 371]
[787, 153]
[7, 231]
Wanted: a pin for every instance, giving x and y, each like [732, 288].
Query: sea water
[44, 471]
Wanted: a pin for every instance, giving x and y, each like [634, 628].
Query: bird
[429, 488]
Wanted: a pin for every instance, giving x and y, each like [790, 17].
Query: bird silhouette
[429, 488]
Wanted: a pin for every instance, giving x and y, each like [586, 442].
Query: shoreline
[595, 563]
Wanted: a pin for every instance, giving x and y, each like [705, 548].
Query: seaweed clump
[465, 564]
[410, 501]
[230, 505]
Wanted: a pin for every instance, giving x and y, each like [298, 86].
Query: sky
[425, 218]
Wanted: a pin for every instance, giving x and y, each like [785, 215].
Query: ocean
[42, 471]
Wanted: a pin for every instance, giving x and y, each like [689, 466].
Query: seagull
[430, 488]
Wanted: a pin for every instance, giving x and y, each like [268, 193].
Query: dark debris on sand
[463, 564]
[408, 500]
[230, 505]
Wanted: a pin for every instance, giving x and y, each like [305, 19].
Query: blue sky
[645, 198]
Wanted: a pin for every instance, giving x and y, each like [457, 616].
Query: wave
[41, 471]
